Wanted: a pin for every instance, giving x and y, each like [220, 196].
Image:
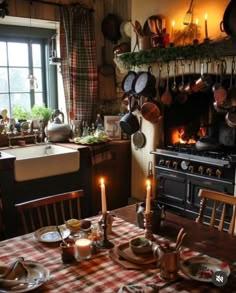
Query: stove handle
[189, 200]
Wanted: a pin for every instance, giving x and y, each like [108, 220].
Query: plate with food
[36, 276]
[201, 268]
[50, 234]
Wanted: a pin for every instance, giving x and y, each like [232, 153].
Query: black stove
[182, 170]
[188, 152]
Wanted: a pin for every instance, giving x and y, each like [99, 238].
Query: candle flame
[206, 16]
[148, 182]
[102, 181]
[197, 21]
[173, 23]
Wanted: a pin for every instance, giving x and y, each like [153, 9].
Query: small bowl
[140, 245]
[85, 225]
[73, 225]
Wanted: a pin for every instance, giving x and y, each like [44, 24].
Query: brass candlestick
[148, 226]
[105, 243]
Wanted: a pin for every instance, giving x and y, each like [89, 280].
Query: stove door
[171, 189]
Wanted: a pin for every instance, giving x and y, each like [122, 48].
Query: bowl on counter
[140, 245]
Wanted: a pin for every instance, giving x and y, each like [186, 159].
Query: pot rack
[210, 50]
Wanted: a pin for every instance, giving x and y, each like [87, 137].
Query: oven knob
[184, 165]
[209, 171]
[167, 163]
[218, 173]
[175, 165]
[201, 169]
[191, 168]
[161, 162]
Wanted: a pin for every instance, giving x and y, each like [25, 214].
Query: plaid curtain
[79, 61]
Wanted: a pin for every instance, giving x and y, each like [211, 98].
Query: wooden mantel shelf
[211, 50]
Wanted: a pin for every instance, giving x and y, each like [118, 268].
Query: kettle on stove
[57, 130]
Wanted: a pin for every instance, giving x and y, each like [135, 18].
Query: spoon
[63, 240]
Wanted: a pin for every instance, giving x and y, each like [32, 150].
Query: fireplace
[181, 168]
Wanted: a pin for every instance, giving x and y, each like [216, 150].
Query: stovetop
[223, 158]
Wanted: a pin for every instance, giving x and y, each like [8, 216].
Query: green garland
[213, 50]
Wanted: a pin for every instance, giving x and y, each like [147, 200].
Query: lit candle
[172, 31]
[148, 197]
[103, 197]
[206, 31]
[196, 28]
[83, 248]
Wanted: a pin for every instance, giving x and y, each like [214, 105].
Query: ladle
[174, 87]
[166, 97]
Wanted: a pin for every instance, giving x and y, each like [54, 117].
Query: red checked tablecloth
[99, 274]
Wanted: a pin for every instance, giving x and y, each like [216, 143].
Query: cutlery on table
[63, 240]
[177, 247]
[178, 239]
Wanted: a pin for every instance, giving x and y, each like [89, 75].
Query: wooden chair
[217, 198]
[51, 210]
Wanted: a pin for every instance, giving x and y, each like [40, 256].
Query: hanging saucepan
[128, 81]
[207, 143]
[151, 110]
[228, 24]
[144, 83]
[139, 138]
[129, 122]
[230, 119]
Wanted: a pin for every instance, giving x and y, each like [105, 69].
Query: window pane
[19, 81]
[18, 54]
[4, 102]
[39, 99]
[36, 52]
[38, 75]
[21, 100]
[3, 80]
[3, 54]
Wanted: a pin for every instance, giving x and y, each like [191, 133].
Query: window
[24, 69]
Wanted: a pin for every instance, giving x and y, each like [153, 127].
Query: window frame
[42, 36]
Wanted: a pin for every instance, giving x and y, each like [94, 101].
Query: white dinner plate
[201, 268]
[50, 234]
[37, 276]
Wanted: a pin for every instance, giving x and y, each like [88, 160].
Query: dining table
[106, 271]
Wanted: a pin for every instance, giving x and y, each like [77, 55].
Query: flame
[178, 136]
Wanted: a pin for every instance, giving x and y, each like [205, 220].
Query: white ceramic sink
[39, 161]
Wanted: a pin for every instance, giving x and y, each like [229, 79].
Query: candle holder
[206, 40]
[105, 243]
[148, 226]
[195, 41]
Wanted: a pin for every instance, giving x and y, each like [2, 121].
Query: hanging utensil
[220, 93]
[166, 97]
[139, 138]
[174, 87]
[182, 95]
[189, 15]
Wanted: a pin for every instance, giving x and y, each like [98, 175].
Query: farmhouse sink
[39, 161]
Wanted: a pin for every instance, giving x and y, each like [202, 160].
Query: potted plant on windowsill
[40, 115]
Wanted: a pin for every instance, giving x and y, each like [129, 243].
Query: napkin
[139, 289]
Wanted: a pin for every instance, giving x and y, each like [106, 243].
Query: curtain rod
[61, 5]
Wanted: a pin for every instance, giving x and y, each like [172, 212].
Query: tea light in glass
[83, 249]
